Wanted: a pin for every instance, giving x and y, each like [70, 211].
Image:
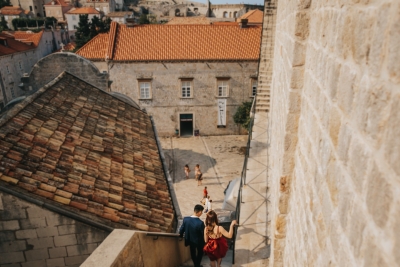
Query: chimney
[243, 23]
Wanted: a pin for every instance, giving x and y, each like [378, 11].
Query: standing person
[193, 231]
[216, 245]
[205, 192]
[208, 204]
[187, 170]
[198, 174]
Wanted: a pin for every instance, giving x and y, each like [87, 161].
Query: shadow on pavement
[176, 160]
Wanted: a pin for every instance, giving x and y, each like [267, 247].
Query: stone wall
[48, 68]
[12, 68]
[166, 103]
[33, 236]
[334, 128]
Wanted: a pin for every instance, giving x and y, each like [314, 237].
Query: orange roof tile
[57, 3]
[76, 146]
[13, 46]
[189, 20]
[11, 10]
[83, 10]
[253, 16]
[175, 43]
[33, 37]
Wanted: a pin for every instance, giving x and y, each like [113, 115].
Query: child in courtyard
[187, 170]
[198, 174]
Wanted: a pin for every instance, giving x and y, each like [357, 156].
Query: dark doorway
[186, 124]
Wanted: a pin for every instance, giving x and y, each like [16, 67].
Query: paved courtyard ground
[221, 160]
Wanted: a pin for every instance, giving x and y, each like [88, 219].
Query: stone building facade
[167, 106]
[19, 52]
[333, 129]
[31, 235]
[232, 11]
[194, 84]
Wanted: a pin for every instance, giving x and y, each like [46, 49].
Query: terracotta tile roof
[176, 43]
[189, 20]
[83, 10]
[253, 16]
[57, 3]
[11, 10]
[13, 46]
[30, 36]
[88, 152]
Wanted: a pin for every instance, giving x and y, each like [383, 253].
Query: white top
[208, 204]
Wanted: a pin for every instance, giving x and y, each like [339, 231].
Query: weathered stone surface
[55, 262]
[25, 234]
[37, 254]
[58, 252]
[11, 257]
[43, 245]
[342, 157]
[65, 240]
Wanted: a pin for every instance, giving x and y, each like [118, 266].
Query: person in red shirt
[205, 192]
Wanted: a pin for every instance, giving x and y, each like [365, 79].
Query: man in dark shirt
[193, 231]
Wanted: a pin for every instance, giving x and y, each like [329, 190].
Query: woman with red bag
[216, 245]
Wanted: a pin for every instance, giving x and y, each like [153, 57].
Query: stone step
[262, 110]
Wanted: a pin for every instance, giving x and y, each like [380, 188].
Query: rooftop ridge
[111, 40]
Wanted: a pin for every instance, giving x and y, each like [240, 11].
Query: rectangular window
[8, 70]
[20, 65]
[30, 8]
[223, 87]
[254, 84]
[12, 92]
[145, 90]
[73, 18]
[186, 89]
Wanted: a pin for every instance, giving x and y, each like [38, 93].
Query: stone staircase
[263, 91]
[262, 101]
[226, 262]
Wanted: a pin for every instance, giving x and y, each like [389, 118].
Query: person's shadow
[176, 159]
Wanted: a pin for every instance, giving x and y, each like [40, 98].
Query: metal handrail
[243, 174]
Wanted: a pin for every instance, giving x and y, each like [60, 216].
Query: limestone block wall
[48, 68]
[334, 127]
[32, 236]
[166, 103]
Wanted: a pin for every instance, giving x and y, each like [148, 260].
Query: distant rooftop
[11, 10]
[13, 42]
[189, 20]
[83, 10]
[120, 14]
[57, 3]
[255, 16]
